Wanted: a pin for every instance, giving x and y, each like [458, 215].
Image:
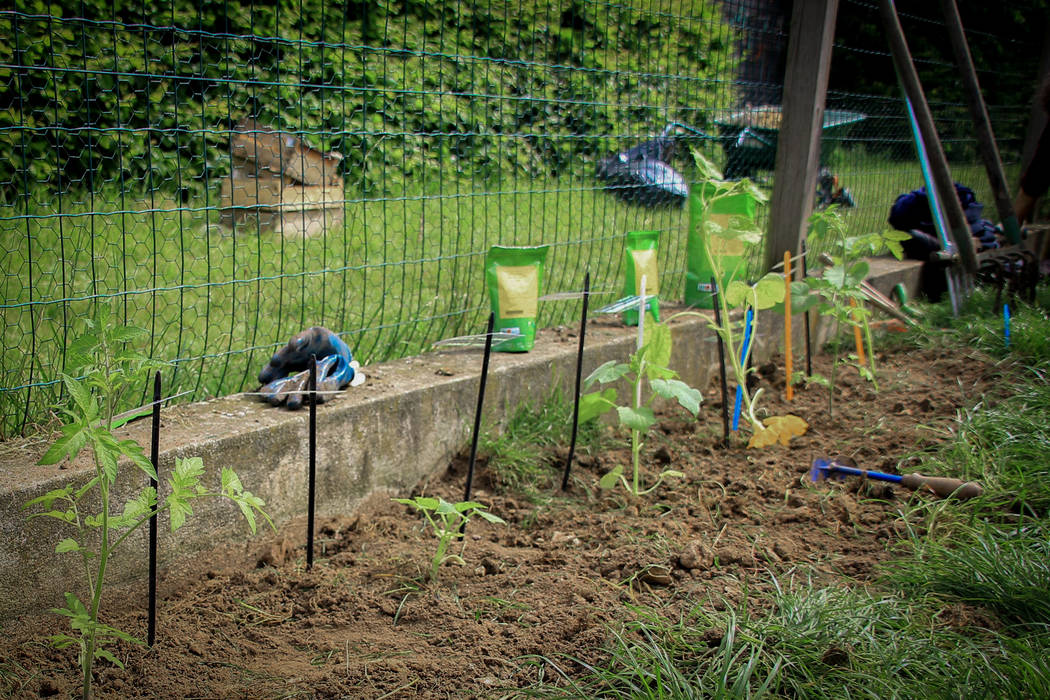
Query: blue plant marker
[743, 357]
[1006, 323]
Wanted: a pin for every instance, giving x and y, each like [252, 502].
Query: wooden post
[1037, 117]
[798, 144]
[993, 162]
[959, 230]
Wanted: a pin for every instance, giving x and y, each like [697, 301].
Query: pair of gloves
[286, 378]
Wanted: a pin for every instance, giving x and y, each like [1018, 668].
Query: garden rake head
[940, 486]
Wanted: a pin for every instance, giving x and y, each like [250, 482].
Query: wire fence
[404, 139]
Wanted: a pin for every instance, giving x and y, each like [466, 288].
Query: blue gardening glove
[335, 367]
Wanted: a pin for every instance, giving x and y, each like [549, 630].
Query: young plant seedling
[647, 364]
[447, 520]
[108, 368]
[838, 293]
[763, 294]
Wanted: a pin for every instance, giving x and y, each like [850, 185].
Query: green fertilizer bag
[732, 255]
[641, 261]
[514, 277]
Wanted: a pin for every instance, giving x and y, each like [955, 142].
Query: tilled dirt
[551, 583]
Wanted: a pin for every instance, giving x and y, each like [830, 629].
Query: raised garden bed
[551, 584]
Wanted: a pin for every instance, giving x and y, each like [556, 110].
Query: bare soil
[551, 583]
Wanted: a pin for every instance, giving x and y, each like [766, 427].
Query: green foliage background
[144, 94]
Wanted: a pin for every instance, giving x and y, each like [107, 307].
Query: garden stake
[1006, 323]
[809, 354]
[940, 486]
[579, 374]
[313, 465]
[721, 366]
[858, 339]
[477, 414]
[789, 390]
[154, 457]
[743, 357]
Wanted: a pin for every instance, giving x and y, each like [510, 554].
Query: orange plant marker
[858, 339]
[789, 390]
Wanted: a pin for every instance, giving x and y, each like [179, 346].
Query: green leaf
[706, 169]
[607, 372]
[491, 518]
[445, 508]
[611, 478]
[133, 451]
[81, 396]
[50, 497]
[686, 395]
[464, 506]
[737, 293]
[596, 404]
[74, 437]
[67, 545]
[858, 272]
[101, 653]
[106, 451]
[769, 291]
[178, 509]
[636, 419]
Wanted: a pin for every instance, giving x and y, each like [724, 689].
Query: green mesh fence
[402, 140]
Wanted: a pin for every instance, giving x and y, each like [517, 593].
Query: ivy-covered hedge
[111, 92]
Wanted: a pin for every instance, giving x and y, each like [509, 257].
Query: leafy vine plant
[765, 293]
[647, 364]
[447, 521]
[838, 293]
[106, 367]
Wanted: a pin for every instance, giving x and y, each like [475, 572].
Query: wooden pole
[789, 390]
[909, 77]
[802, 118]
[993, 162]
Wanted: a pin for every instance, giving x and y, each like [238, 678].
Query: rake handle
[943, 486]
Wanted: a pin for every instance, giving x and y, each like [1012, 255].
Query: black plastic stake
[721, 366]
[579, 374]
[154, 457]
[809, 352]
[477, 414]
[313, 465]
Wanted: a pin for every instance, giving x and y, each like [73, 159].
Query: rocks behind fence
[281, 183]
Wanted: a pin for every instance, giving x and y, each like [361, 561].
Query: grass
[515, 452]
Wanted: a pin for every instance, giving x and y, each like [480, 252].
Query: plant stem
[871, 355]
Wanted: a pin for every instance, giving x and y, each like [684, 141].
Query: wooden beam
[1037, 117]
[798, 145]
[959, 230]
[993, 162]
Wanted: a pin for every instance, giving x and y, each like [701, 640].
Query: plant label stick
[1006, 323]
[858, 339]
[477, 413]
[809, 352]
[311, 486]
[721, 366]
[154, 456]
[789, 390]
[579, 374]
[743, 359]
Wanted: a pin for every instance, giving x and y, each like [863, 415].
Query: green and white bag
[732, 255]
[641, 250]
[514, 277]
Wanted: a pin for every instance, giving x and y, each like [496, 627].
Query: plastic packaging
[732, 254]
[641, 250]
[514, 277]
